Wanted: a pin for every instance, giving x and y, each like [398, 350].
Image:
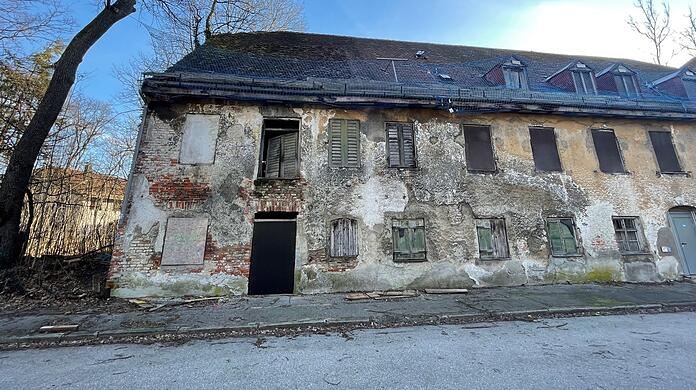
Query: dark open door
[272, 269]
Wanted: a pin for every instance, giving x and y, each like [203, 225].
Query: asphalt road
[615, 352]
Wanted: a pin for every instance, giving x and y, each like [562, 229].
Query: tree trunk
[20, 167]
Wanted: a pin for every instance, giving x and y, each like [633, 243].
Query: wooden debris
[446, 291]
[356, 296]
[58, 328]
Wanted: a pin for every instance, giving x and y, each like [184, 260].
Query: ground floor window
[629, 235]
[344, 238]
[562, 236]
[492, 238]
[408, 239]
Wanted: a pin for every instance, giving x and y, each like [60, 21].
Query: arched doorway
[683, 221]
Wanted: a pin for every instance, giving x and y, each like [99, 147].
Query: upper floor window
[583, 78]
[620, 79]
[199, 139]
[608, 152]
[511, 73]
[544, 149]
[689, 80]
[344, 143]
[515, 74]
[664, 151]
[478, 148]
[279, 149]
[401, 146]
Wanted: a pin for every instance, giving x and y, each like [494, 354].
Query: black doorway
[272, 269]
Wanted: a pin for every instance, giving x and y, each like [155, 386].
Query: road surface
[615, 352]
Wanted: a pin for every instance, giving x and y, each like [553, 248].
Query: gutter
[172, 87]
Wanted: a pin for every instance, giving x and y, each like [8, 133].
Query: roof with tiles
[304, 56]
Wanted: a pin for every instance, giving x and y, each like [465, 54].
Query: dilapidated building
[302, 163]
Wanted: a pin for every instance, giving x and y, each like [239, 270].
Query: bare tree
[688, 35]
[30, 21]
[19, 169]
[653, 24]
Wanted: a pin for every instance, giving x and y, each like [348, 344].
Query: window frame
[411, 255]
[674, 148]
[400, 135]
[521, 77]
[555, 144]
[354, 229]
[576, 236]
[642, 243]
[624, 171]
[344, 162]
[262, 165]
[495, 253]
[580, 74]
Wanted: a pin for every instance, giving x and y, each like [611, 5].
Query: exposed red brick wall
[563, 80]
[230, 259]
[606, 82]
[495, 75]
[178, 192]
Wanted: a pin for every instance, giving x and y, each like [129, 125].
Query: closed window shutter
[344, 240]
[344, 143]
[289, 155]
[500, 247]
[608, 152]
[273, 157]
[409, 149]
[664, 151]
[335, 137]
[352, 144]
[393, 149]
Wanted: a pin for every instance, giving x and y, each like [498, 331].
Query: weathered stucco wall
[440, 191]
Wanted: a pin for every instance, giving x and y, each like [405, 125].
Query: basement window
[608, 152]
[408, 240]
[629, 235]
[401, 148]
[492, 238]
[664, 152]
[479, 149]
[544, 149]
[344, 238]
[562, 237]
[344, 143]
[279, 149]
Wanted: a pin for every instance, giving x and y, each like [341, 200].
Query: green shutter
[273, 157]
[288, 166]
[352, 144]
[408, 146]
[344, 143]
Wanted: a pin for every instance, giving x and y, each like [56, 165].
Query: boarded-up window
[479, 150]
[408, 237]
[492, 238]
[515, 77]
[344, 238]
[629, 235]
[279, 154]
[184, 241]
[344, 143]
[664, 151]
[401, 147]
[608, 153]
[544, 149]
[199, 139]
[562, 237]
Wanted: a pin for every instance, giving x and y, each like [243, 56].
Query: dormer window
[583, 78]
[681, 83]
[515, 74]
[575, 77]
[511, 73]
[620, 79]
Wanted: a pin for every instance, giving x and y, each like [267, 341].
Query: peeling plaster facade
[228, 193]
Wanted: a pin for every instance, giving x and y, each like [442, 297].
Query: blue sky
[591, 27]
